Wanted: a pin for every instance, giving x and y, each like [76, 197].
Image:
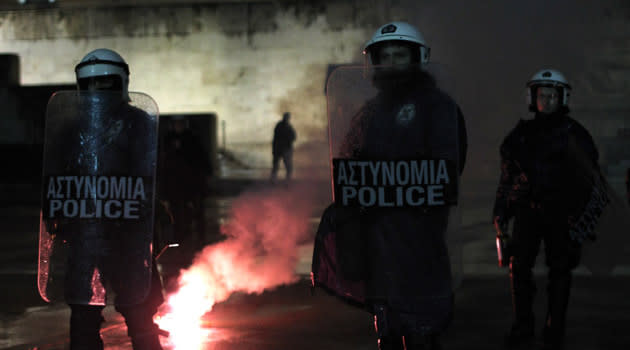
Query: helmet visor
[101, 82]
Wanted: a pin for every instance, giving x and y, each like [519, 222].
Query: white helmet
[400, 31]
[103, 62]
[550, 78]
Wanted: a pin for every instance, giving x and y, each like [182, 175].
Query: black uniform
[395, 262]
[115, 248]
[542, 188]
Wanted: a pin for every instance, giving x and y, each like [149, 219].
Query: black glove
[501, 226]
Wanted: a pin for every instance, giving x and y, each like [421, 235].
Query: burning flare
[259, 253]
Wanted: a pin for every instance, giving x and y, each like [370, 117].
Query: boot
[146, 341]
[143, 332]
[523, 290]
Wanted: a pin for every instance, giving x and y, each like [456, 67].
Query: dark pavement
[290, 317]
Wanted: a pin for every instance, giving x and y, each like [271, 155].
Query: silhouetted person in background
[184, 176]
[282, 146]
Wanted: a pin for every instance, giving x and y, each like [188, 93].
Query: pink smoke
[260, 252]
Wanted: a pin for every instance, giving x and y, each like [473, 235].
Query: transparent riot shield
[98, 187]
[395, 163]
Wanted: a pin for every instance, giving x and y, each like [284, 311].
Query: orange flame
[260, 253]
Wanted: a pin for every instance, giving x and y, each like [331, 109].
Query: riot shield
[395, 163]
[98, 187]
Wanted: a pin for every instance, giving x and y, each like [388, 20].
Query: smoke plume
[259, 253]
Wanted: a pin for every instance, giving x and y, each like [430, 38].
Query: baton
[501, 247]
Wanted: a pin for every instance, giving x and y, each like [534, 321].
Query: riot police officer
[394, 259]
[104, 148]
[540, 187]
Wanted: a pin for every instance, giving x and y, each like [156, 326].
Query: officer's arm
[509, 171]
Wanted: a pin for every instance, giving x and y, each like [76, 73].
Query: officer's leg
[85, 327]
[387, 329]
[562, 256]
[524, 245]
[85, 320]
[143, 331]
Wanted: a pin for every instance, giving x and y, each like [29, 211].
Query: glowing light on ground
[186, 308]
[260, 252]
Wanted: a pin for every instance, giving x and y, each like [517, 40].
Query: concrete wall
[246, 62]
[249, 62]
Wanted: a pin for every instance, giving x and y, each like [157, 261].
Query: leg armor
[524, 245]
[523, 290]
[562, 256]
[558, 292]
[139, 318]
[140, 327]
[85, 327]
